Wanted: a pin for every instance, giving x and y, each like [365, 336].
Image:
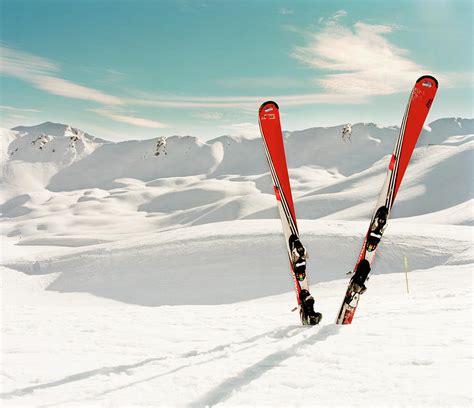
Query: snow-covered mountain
[131, 269]
[54, 169]
[55, 129]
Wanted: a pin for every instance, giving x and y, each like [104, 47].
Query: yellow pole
[406, 272]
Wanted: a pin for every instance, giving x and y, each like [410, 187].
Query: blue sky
[140, 69]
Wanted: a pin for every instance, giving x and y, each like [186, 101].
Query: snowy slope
[91, 351]
[153, 273]
[6, 138]
[53, 182]
[229, 256]
[35, 157]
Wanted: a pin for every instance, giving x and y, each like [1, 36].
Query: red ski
[269, 120]
[419, 104]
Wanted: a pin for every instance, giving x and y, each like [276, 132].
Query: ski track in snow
[220, 352]
[424, 337]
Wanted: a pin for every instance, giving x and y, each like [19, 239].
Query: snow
[88, 350]
[131, 278]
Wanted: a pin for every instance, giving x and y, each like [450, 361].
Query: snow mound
[199, 194]
[221, 262]
[461, 214]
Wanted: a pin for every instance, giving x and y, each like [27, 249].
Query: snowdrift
[231, 262]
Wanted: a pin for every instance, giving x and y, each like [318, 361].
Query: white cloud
[366, 62]
[339, 13]
[334, 18]
[24, 65]
[353, 62]
[15, 109]
[131, 120]
[42, 74]
[63, 87]
[243, 102]
[324, 97]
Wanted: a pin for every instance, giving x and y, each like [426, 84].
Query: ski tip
[428, 77]
[264, 104]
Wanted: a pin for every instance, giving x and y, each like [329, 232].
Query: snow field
[131, 278]
[400, 349]
[204, 346]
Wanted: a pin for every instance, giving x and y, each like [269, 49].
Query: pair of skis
[416, 112]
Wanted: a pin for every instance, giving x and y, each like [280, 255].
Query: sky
[140, 69]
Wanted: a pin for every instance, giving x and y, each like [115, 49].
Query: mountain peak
[48, 128]
[55, 129]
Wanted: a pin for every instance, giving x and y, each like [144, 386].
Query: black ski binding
[360, 276]
[297, 247]
[298, 257]
[308, 316]
[376, 228]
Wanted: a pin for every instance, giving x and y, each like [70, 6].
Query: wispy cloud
[63, 87]
[209, 115]
[243, 102]
[333, 19]
[131, 120]
[110, 76]
[170, 101]
[366, 62]
[43, 74]
[274, 82]
[15, 109]
[22, 64]
[339, 13]
[115, 73]
[353, 63]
